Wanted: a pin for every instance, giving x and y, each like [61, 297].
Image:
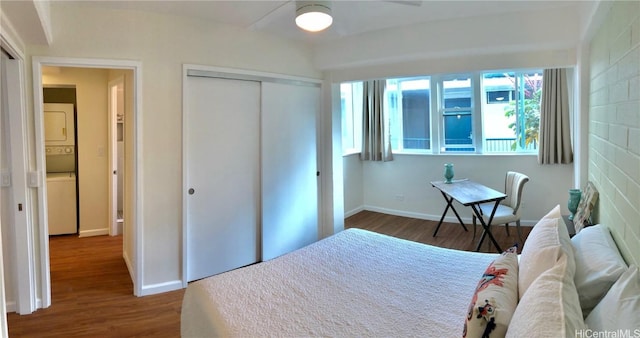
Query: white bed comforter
[353, 284]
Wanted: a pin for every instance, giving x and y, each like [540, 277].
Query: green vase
[574, 200]
[448, 172]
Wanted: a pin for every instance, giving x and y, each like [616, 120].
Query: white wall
[614, 124]
[402, 186]
[162, 43]
[528, 36]
[91, 128]
[353, 180]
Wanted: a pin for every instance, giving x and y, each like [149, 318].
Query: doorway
[117, 109]
[97, 151]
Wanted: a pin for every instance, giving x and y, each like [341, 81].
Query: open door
[3, 302]
[116, 117]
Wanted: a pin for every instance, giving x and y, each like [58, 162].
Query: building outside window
[457, 113]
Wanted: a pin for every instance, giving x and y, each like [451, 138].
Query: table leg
[449, 205]
[486, 226]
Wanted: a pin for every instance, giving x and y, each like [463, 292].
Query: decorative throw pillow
[549, 239]
[582, 217]
[550, 307]
[598, 265]
[495, 298]
[619, 310]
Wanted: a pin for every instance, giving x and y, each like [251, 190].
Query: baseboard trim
[11, 306]
[353, 212]
[127, 261]
[161, 287]
[96, 232]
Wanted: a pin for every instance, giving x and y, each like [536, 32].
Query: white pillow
[547, 242]
[598, 265]
[495, 299]
[553, 213]
[620, 307]
[550, 307]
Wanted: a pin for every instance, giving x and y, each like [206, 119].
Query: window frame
[400, 114]
[518, 74]
[442, 113]
[356, 118]
[437, 112]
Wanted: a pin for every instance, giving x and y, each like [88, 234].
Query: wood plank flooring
[92, 293]
[92, 296]
[450, 235]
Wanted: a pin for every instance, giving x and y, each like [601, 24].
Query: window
[457, 113]
[408, 110]
[351, 106]
[511, 112]
[481, 112]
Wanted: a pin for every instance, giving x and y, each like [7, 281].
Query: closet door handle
[191, 191]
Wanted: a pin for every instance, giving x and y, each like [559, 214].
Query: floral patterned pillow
[495, 298]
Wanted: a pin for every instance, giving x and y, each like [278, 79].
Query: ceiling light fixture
[313, 16]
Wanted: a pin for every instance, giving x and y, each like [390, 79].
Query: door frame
[113, 155]
[136, 205]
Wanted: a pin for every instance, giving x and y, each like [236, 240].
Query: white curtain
[555, 134]
[376, 144]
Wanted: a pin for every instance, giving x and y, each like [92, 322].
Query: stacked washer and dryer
[60, 154]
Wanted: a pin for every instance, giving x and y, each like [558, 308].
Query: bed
[359, 283]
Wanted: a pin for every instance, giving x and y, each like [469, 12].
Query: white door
[3, 162]
[221, 166]
[289, 167]
[116, 108]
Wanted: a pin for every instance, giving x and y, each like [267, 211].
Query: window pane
[457, 114]
[351, 115]
[408, 108]
[415, 119]
[346, 99]
[457, 129]
[511, 111]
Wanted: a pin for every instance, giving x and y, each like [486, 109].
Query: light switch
[5, 178]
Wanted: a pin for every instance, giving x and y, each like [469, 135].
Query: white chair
[509, 208]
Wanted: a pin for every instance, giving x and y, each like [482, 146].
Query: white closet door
[222, 128]
[289, 166]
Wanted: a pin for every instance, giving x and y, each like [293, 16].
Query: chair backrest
[513, 185]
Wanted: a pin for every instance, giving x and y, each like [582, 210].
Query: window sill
[412, 153]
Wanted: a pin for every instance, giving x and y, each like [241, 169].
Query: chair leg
[519, 232]
[506, 225]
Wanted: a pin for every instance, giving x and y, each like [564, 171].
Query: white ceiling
[350, 17]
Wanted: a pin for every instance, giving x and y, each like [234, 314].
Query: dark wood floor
[450, 235]
[92, 293]
[92, 296]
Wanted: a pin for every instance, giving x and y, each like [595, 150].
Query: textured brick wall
[614, 124]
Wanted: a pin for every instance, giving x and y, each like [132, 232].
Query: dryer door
[59, 126]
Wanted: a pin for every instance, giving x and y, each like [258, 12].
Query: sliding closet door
[289, 166]
[221, 164]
